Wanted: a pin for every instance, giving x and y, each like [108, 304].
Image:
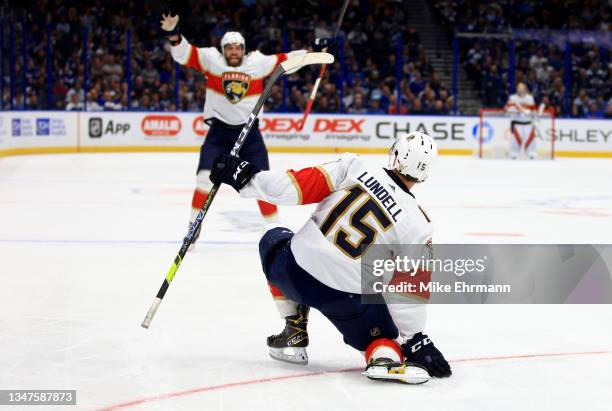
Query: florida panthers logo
[235, 85]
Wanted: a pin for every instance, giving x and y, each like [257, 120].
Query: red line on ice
[198, 390]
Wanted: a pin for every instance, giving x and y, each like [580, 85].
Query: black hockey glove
[421, 350]
[233, 171]
[319, 44]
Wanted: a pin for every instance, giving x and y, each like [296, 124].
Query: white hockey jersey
[357, 205]
[521, 107]
[231, 92]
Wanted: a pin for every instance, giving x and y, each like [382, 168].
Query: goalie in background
[522, 109]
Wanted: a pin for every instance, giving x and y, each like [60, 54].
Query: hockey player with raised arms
[320, 265]
[234, 82]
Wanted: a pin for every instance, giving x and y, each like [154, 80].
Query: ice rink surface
[85, 241]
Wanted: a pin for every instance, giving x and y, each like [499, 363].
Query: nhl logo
[235, 85]
[95, 127]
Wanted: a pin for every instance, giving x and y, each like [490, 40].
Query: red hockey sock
[276, 293]
[199, 198]
[383, 348]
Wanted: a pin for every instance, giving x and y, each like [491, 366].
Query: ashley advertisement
[92, 131]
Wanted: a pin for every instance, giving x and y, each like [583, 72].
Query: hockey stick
[292, 64]
[313, 93]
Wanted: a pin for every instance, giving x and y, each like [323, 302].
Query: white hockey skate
[384, 369]
[293, 355]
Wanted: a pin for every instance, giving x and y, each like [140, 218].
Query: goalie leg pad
[516, 141]
[530, 144]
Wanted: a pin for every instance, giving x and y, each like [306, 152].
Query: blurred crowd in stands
[111, 54]
[369, 47]
[541, 65]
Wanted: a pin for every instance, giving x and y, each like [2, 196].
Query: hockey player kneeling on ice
[320, 265]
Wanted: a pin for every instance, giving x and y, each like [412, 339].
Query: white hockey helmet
[413, 155]
[232, 37]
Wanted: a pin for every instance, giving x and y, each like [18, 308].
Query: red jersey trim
[255, 88]
[312, 184]
[215, 83]
[193, 60]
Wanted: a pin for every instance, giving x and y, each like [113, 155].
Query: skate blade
[406, 373]
[293, 355]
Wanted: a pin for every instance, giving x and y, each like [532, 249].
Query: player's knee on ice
[269, 244]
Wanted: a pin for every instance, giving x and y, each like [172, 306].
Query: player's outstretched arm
[276, 187]
[292, 187]
[182, 51]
